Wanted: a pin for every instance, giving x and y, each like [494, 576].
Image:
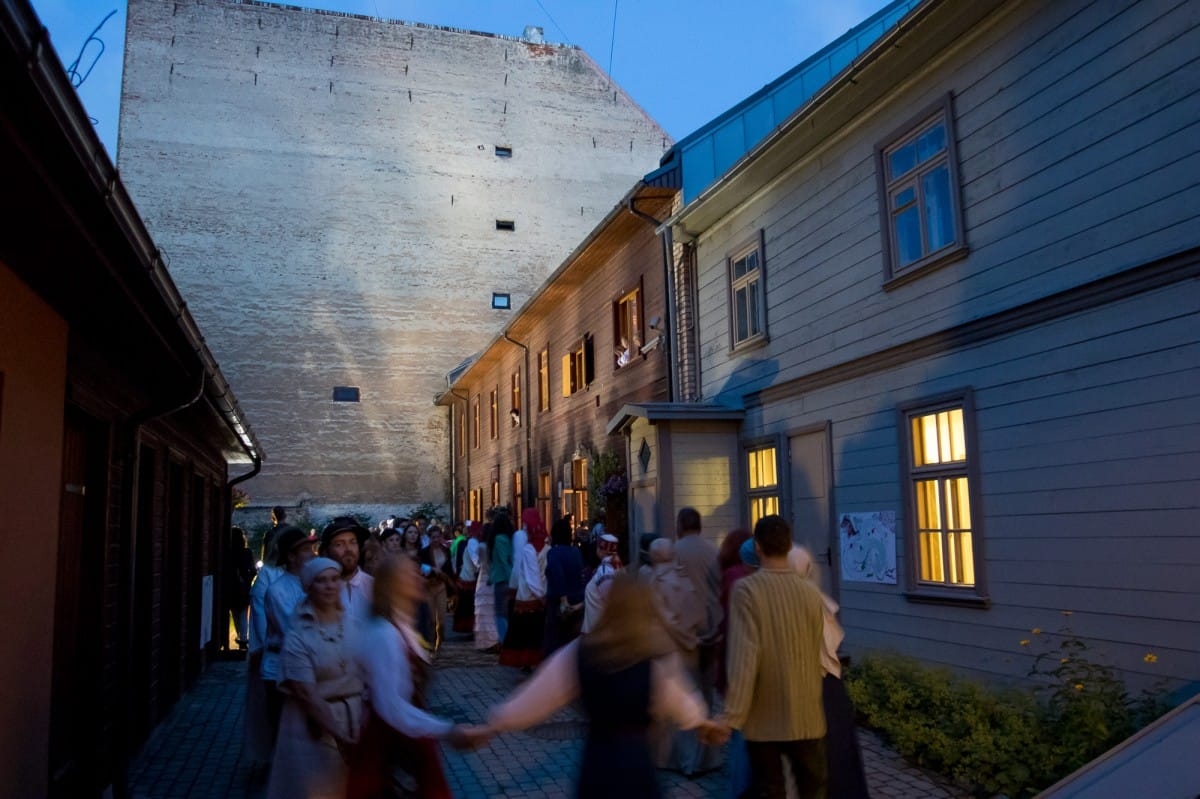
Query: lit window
[627, 327]
[747, 303]
[544, 380]
[495, 417]
[763, 483]
[475, 424]
[943, 530]
[514, 412]
[920, 203]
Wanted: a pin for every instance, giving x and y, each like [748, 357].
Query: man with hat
[342, 540]
[596, 593]
[295, 548]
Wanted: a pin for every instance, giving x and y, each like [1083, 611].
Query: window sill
[750, 344]
[922, 268]
[933, 596]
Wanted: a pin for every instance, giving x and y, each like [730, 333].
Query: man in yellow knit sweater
[774, 667]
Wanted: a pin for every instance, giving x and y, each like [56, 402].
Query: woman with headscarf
[322, 711]
[400, 738]
[526, 623]
[627, 674]
[487, 637]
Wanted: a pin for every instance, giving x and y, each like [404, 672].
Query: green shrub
[996, 740]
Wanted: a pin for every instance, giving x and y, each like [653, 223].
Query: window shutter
[589, 361]
[567, 375]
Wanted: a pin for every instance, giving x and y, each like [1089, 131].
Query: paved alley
[196, 752]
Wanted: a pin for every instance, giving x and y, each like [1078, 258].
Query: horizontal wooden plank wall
[1133, 145]
[1079, 151]
[580, 304]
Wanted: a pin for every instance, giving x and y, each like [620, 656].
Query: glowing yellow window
[763, 483]
[942, 499]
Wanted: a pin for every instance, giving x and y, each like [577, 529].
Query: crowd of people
[691, 652]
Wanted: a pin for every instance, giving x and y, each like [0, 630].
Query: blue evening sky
[683, 61]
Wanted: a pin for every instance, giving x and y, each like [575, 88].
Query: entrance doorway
[812, 501]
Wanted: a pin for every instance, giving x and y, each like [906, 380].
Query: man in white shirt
[295, 548]
[342, 540]
[596, 593]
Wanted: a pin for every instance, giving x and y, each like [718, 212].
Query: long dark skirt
[464, 608]
[523, 644]
[386, 763]
[846, 778]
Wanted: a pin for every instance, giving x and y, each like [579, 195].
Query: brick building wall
[327, 190]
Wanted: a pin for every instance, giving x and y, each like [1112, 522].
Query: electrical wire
[612, 42]
[566, 38]
[73, 70]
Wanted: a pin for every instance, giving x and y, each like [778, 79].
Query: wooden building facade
[528, 414]
[955, 296]
[117, 429]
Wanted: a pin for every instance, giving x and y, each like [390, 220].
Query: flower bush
[994, 740]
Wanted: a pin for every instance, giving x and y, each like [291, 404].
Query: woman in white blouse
[394, 660]
[627, 674]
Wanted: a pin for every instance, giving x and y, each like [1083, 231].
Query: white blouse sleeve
[531, 572]
[672, 697]
[387, 672]
[552, 687]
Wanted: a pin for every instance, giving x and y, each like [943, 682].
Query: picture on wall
[868, 546]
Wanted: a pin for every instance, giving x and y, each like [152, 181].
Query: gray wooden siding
[1078, 142]
[1089, 438]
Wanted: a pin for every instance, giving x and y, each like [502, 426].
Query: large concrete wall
[326, 189]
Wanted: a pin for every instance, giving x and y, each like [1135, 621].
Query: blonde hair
[630, 628]
[387, 574]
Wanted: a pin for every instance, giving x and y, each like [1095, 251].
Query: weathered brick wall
[326, 189]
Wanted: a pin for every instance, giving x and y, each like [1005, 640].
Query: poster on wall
[868, 546]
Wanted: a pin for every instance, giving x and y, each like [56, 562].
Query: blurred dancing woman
[626, 673]
[400, 734]
[522, 645]
[323, 709]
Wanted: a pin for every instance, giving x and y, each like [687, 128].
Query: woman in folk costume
[466, 570]
[626, 673]
[487, 636]
[684, 618]
[527, 621]
[437, 567]
[323, 708]
[846, 777]
[399, 743]
[564, 589]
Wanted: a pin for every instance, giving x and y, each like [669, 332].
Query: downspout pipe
[454, 472]
[526, 420]
[669, 274]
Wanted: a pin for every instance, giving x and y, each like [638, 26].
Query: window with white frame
[747, 300]
[943, 527]
[922, 220]
[763, 482]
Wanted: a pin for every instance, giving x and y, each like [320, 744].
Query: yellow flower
[1024, 642]
[1036, 630]
[1150, 657]
[1078, 686]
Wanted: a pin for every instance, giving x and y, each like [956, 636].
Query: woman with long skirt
[322, 709]
[526, 623]
[627, 674]
[564, 589]
[400, 738]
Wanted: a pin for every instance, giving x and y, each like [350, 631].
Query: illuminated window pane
[958, 504]
[762, 506]
[762, 468]
[958, 439]
[931, 558]
[962, 559]
[929, 511]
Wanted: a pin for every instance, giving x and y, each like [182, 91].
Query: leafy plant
[240, 498]
[608, 479]
[1003, 740]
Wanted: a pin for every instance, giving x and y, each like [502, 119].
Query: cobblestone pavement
[196, 752]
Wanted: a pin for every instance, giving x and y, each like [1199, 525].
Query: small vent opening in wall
[503, 152]
[345, 394]
[505, 224]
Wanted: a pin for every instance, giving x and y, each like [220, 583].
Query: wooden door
[811, 468]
